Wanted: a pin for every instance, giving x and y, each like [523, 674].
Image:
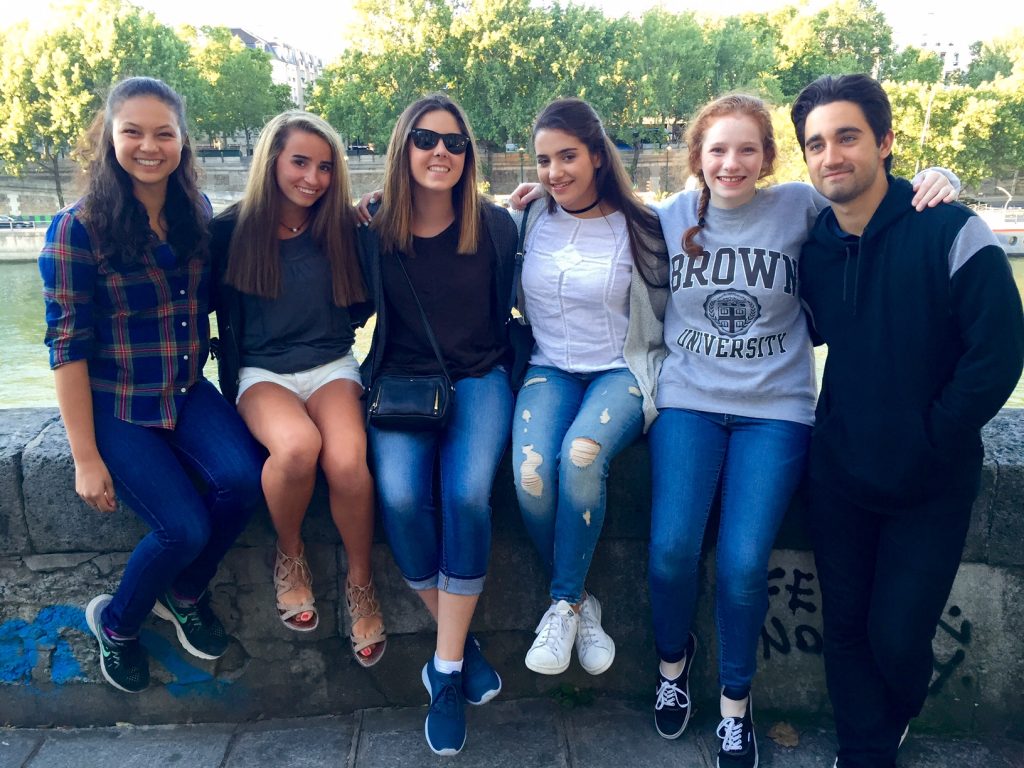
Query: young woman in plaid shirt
[126, 281]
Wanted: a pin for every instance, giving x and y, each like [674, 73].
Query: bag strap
[426, 323]
[517, 271]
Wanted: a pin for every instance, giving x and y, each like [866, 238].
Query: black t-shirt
[301, 328]
[457, 294]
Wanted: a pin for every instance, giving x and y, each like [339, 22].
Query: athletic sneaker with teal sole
[198, 628]
[124, 663]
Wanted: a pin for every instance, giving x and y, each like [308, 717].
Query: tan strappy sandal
[291, 573]
[362, 603]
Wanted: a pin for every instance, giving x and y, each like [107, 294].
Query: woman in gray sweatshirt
[736, 401]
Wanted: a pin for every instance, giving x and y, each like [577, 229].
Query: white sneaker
[552, 650]
[596, 651]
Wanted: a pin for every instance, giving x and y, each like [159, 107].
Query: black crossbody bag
[412, 403]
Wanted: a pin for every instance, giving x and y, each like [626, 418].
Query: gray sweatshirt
[736, 334]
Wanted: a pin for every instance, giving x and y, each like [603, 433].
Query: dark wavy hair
[866, 92]
[114, 215]
[577, 118]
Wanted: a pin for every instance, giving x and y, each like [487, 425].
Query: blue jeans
[466, 454]
[759, 463]
[192, 528]
[559, 471]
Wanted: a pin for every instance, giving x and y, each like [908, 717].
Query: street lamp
[522, 152]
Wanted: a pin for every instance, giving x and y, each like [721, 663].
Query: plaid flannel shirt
[144, 328]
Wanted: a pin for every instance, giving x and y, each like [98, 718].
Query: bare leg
[338, 414]
[278, 419]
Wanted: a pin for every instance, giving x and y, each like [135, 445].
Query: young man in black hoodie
[926, 340]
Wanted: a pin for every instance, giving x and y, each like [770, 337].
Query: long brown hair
[253, 256]
[111, 210]
[577, 118]
[731, 104]
[394, 219]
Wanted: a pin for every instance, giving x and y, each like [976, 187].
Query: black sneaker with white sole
[672, 708]
[124, 663]
[197, 626]
[739, 745]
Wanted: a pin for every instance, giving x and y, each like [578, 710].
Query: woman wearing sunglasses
[446, 259]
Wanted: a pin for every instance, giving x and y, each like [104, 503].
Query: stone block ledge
[56, 554]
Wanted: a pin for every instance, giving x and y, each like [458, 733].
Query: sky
[321, 26]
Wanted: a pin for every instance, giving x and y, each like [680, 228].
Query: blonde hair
[253, 256]
[394, 219]
[731, 104]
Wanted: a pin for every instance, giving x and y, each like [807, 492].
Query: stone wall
[55, 554]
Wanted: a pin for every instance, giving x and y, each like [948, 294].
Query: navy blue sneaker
[672, 708]
[480, 682]
[198, 628]
[446, 721]
[739, 745]
[124, 663]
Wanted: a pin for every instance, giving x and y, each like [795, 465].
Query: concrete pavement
[553, 732]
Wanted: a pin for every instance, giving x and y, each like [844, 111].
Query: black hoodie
[925, 342]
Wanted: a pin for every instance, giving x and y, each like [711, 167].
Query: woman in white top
[594, 261]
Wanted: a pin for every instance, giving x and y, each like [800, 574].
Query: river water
[26, 379]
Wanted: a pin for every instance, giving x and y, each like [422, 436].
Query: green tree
[743, 56]
[912, 65]
[997, 58]
[53, 79]
[237, 91]
[978, 132]
[846, 36]
[403, 53]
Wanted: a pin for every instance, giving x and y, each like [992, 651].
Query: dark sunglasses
[424, 138]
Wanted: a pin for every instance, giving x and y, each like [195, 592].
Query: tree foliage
[235, 92]
[503, 60]
[54, 79]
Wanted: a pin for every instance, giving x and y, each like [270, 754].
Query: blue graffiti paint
[20, 643]
[189, 680]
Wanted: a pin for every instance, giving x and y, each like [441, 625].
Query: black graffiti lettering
[796, 591]
[773, 575]
[945, 671]
[962, 635]
[767, 642]
[725, 257]
[808, 639]
[695, 268]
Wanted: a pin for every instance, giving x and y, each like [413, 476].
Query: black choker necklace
[582, 210]
[294, 230]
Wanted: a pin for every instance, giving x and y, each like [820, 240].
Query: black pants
[885, 578]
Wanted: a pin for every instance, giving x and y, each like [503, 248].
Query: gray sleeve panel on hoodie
[974, 235]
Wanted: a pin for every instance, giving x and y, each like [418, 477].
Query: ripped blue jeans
[566, 429]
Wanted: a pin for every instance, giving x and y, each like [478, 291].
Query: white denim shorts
[303, 383]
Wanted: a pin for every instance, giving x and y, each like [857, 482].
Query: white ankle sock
[670, 670]
[447, 667]
[733, 708]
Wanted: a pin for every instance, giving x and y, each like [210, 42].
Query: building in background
[289, 65]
